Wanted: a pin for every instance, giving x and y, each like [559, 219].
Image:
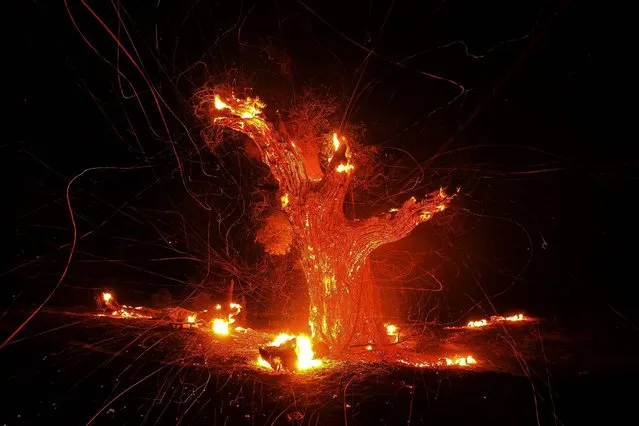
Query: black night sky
[514, 102]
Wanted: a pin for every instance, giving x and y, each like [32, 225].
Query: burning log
[282, 357]
[289, 353]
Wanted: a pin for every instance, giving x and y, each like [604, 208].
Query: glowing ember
[495, 319]
[461, 361]
[336, 142]
[393, 332]
[130, 312]
[284, 200]
[456, 361]
[344, 168]
[220, 326]
[262, 363]
[219, 104]
[305, 355]
[107, 297]
[191, 318]
[369, 347]
[518, 317]
[475, 324]
[426, 216]
[247, 109]
[303, 350]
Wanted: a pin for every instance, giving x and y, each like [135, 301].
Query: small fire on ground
[288, 352]
[116, 311]
[497, 319]
[221, 324]
[461, 361]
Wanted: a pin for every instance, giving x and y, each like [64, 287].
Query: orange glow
[305, 355]
[426, 216]
[518, 317]
[497, 318]
[461, 361]
[393, 332]
[336, 142]
[262, 363]
[303, 349]
[456, 361]
[122, 311]
[130, 313]
[219, 104]
[220, 326]
[476, 324]
[191, 318]
[369, 347]
[344, 168]
[245, 109]
[284, 200]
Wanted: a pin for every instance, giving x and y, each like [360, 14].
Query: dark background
[544, 222]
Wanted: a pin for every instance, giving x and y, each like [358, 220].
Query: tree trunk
[344, 308]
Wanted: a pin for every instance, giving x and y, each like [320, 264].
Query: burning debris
[393, 332]
[461, 361]
[178, 316]
[220, 325]
[497, 319]
[285, 352]
[289, 353]
[110, 307]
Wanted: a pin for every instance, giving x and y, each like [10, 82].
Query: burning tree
[334, 250]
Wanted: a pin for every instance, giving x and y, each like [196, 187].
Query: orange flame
[303, 349]
[344, 168]
[284, 200]
[393, 332]
[461, 361]
[221, 326]
[219, 104]
[336, 142]
[476, 324]
[495, 319]
[456, 361]
[246, 109]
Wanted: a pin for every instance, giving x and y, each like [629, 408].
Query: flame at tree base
[301, 345]
[288, 352]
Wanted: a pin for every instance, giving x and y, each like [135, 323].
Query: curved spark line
[71, 251]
